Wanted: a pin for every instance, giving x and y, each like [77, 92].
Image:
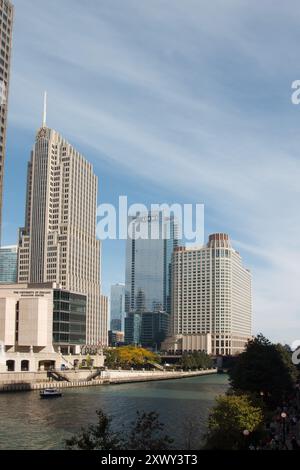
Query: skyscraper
[8, 264]
[6, 25]
[212, 294]
[148, 263]
[58, 243]
[117, 307]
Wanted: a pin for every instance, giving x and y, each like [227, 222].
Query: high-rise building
[8, 264]
[117, 307]
[212, 294]
[154, 328]
[104, 319]
[133, 323]
[58, 243]
[6, 26]
[148, 262]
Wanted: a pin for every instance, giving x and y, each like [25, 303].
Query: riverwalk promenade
[26, 381]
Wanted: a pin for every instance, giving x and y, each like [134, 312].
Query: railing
[58, 376]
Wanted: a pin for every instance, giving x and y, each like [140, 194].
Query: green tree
[97, 437]
[111, 358]
[232, 415]
[196, 360]
[264, 368]
[145, 433]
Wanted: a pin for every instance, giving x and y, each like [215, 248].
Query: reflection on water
[30, 423]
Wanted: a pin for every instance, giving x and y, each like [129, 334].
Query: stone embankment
[26, 381]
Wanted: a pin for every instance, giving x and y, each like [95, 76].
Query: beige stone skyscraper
[58, 243]
[211, 293]
[6, 25]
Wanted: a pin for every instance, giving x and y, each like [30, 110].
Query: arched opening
[46, 365]
[10, 366]
[24, 366]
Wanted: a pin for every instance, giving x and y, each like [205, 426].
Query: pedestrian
[295, 445]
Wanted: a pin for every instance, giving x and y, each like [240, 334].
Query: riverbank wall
[26, 381]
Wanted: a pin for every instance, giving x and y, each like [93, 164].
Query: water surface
[27, 422]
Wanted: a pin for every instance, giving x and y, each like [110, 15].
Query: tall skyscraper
[212, 294]
[8, 264]
[117, 307]
[58, 243]
[6, 25]
[148, 263]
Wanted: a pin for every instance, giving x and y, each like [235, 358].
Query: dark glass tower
[148, 263]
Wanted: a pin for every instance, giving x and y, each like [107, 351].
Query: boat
[50, 393]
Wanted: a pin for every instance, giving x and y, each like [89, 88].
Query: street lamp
[283, 417]
[246, 435]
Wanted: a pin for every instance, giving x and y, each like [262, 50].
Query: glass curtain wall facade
[148, 262]
[8, 264]
[117, 307]
[69, 318]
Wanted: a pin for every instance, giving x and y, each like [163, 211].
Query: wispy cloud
[191, 96]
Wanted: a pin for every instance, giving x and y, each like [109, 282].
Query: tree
[232, 415]
[196, 360]
[129, 356]
[266, 369]
[97, 437]
[145, 433]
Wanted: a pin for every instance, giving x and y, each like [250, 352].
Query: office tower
[8, 264]
[212, 294]
[117, 307]
[133, 324]
[154, 328]
[115, 338]
[148, 329]
[6, 25]
[58, 243]
[104, 319]
[148, 262]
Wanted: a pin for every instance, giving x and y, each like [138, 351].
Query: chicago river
[31, 423]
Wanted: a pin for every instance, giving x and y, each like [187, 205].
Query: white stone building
[58, 243]
[42, 327]
[211, 293]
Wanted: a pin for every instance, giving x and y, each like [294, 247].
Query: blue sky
[173, 101]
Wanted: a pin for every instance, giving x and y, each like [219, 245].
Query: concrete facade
[188, 343]
[211, 293]
[58, 243]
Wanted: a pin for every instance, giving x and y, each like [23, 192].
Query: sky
[179, 102]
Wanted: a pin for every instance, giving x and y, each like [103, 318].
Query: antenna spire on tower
[45, 110]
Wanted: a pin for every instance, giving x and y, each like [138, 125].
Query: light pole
[262, 396]
[246, 435]
[283, 417]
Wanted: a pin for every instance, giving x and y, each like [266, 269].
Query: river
[27, 422]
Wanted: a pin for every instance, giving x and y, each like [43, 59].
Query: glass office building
[69, 318]
[8, 264]
[148, 262]
[117, 307]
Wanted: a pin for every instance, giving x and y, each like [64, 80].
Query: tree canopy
[196, 360]
[229, 419]
[264, 369]
[129, 356]
[145, 433]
